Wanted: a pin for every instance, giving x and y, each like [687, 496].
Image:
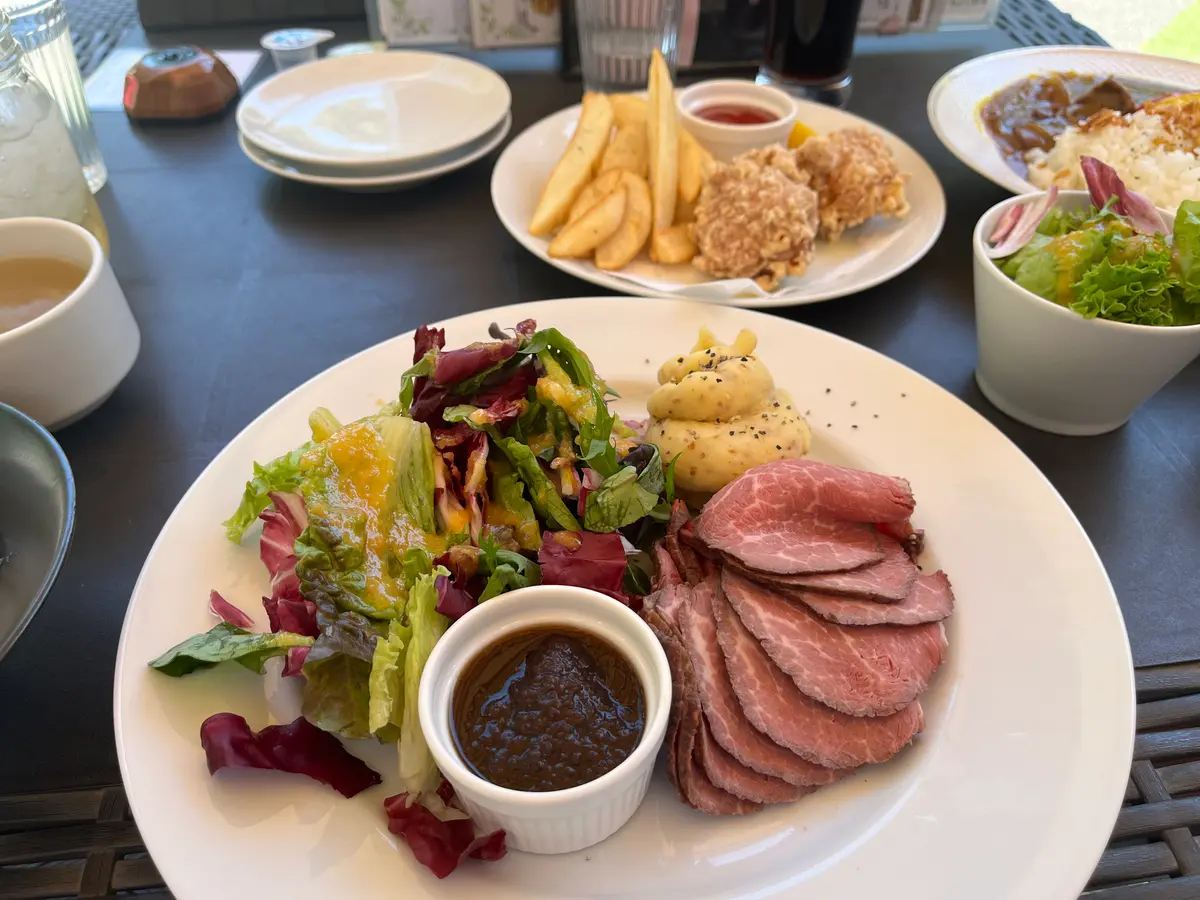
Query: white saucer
[377, 180]
[375, 109]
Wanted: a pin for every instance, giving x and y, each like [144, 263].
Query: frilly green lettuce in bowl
[1087, 302]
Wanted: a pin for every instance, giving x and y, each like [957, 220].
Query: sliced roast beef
[799, 516]
[685, 558]
[666, 572]
[930, 600]
[731, 776]
[887, 581]
[774, 706]
[870, 671]
[670, 600]
[730, 727]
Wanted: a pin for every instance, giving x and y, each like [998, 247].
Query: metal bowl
[37, 517]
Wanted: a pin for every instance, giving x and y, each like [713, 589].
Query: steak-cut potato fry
[591, 229]
[629, 109]
[664, 144]
[627, 241]
[692, 158]
[672, 245]
[630, 149]
[685, 212]
[593, 194]
[575, 168]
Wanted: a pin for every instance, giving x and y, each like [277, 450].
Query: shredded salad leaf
[227, 643]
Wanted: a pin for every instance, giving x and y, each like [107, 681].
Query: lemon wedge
[799, 134]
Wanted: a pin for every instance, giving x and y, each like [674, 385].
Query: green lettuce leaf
[386, 683]
[595, 446]
[621, 500]
[1052, 271]
[553, 344]
[330, 564]
[505, 570]
[418, 771]
[1136, 291]
[337, 672]
[545, 498]
[410, 445]
[636, 580]
[282, 474]
[408, 379]
[1187, 249]
[227, 643]
[508, 494]
[322, 423]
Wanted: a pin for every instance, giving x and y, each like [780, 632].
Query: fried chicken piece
[756, 217]
[855, 177]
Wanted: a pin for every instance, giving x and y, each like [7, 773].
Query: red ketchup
[735, 114]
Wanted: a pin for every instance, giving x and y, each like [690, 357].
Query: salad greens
[499, 466]
[1110, 262]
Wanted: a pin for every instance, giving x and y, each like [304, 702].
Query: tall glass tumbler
[809, 47]
[40, 28]
[616, 38]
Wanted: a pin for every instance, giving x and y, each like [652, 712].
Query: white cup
[552, 821]
[60, 366]
[1049, 367]
[725, 141]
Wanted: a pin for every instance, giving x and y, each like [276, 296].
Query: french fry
[630, 149]
[672, 245]
[664, 146]
[692, 159]
[685, 212]
[593, 194]
[576, 166]
[591, 229]
[629, 109]
[627, 241]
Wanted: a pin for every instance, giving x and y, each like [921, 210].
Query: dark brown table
[245, 286]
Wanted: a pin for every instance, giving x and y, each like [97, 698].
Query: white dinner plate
[374, 109]
[864, 257]
[1009, 794]
[381, 179]
[955, 100]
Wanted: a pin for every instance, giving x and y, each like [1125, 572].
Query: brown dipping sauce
[735, 114]
[1029, 114]
[546, 709]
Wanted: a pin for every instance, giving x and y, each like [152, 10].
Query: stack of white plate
[376, 121]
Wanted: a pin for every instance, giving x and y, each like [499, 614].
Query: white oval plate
[864, 257]
[1009, 794]
[407, 177]
[954, 101]
[374, 109]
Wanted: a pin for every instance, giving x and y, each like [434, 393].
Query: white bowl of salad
[1086, 303]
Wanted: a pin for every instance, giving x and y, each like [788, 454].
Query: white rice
[1138, 151]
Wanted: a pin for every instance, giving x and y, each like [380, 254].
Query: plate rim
[602, 279]
[1081, 863]
[380, 181]
[1012, 182]
[485, 125]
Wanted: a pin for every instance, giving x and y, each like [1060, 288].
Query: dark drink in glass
[809, 46]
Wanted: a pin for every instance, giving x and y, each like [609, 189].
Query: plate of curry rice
[992, 112]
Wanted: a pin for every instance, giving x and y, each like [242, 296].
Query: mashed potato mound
[718, 406]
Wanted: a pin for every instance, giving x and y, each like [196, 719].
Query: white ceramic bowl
[1049, 367]
[726, 141]
[553, 821]
[66, 362]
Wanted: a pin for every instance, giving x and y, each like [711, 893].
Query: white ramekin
[1047, 366]
[726, 141]
[67, 361]
[553, 821]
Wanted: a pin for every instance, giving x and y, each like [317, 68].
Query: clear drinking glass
[616, 38]
[40, 174]
[40, 28]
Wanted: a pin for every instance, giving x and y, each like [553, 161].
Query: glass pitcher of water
[40, 173]
[40, 29]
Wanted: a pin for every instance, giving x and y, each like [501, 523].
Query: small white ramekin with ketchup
[730, 116]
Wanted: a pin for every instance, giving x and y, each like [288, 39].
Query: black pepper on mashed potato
[719, 407]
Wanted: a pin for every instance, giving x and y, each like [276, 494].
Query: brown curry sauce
[546, 709]
[1031, 113]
